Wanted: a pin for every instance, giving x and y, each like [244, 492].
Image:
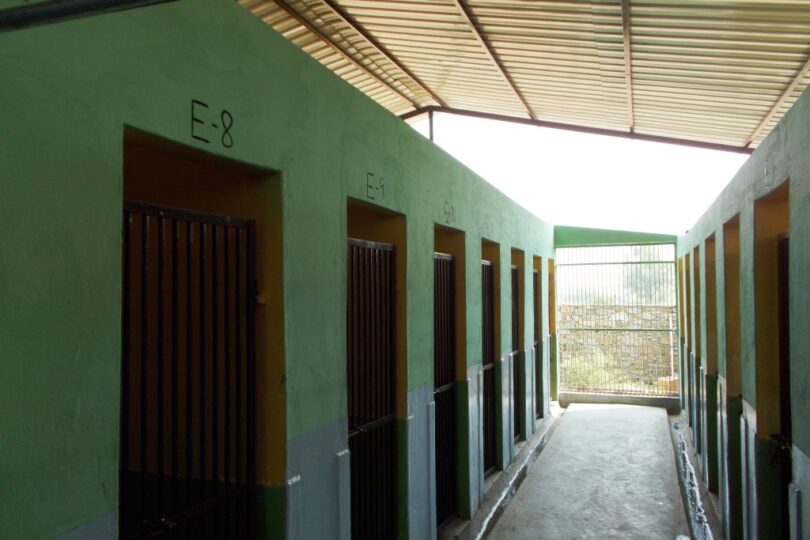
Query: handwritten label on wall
[375, 187]
[449, 212]
[209, 127]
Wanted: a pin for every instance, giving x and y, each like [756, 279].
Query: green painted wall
[566, 236]
[781, 161]
[76, 85]
[784, 155]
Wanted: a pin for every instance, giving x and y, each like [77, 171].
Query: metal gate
[514, 356]
[187, 392]
[444, 393]
[538, 351]
[371, 380]
[616, 320]
[489, 354]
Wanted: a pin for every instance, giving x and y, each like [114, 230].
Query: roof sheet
[699, 70]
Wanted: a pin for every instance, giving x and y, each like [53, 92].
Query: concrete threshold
[701, 508]
[671, 403]
[500, 486]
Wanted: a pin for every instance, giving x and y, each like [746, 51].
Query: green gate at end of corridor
[617, 320]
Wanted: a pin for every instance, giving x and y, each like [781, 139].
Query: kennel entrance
[444, 377]
[489, 355]
[187, 422]
[371, 379]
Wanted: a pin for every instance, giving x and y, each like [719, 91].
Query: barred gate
[371, 387]
[514, 356]
[187, 376]
[538, 352]
[444, 377]
[616, 320]
[489, 354]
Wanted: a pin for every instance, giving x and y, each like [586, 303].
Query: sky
[570, 178]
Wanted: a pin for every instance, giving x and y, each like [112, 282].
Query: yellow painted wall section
[711, 306]
[368, 222]
[731, 266]
[518, 258]
[451, 242]
[164, 174]
[491, 251]
[771, 219]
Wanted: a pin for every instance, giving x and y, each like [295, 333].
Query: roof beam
[469, 17]
[803, 71]
[354, 25]
[628, 64]
[580, 129]
[334, 46]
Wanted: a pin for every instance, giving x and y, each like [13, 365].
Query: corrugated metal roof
[699, 70]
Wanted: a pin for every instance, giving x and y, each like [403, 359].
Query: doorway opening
[730, 387]
[688, 331]
[710, 460]
[375, 358]
[537, 308]
[516, 357]
[698, 397]
[198, 241]
[773, 414]
[450, 364]
[490, 337]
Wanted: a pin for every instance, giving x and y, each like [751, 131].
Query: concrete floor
[608, 471]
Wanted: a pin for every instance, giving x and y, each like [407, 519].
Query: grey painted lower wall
[736, 502]
[101, 528]
[710, 434]
[800, 496]
[695, 408]
[730, 472]
[421, 463]
[682, 355]
[317, 489]
[472, 391]
[687, 388]
[748, 435]
[704, 434]
[527, 380]
[722, 463]
[503, 412]
[546, 377]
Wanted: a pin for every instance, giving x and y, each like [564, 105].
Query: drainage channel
[692, 489]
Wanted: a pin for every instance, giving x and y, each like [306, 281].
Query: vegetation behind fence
[616, 320]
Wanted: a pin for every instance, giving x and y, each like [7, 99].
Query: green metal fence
[617, 320]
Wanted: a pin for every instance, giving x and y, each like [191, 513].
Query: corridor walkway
[608, 472]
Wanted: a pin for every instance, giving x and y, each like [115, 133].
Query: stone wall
[618, 349]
